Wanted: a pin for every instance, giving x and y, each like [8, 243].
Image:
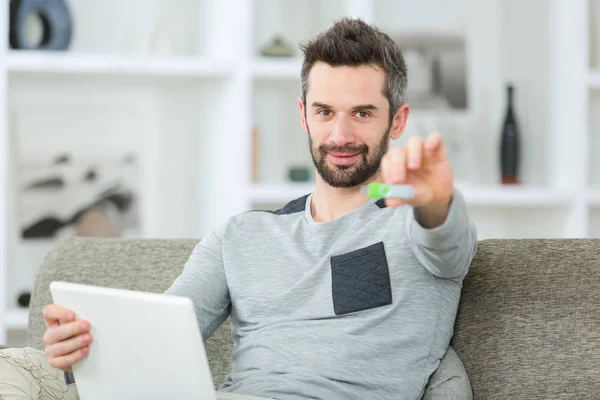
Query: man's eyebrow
[317, 104]
[365, 107]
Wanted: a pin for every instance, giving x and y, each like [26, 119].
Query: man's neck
[330, 203]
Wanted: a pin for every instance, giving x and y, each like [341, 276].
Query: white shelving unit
[278, 193]
[37, 62]
[526, 196]
[111, 93]
[594, 198]
[284, 69]
[16, 319]
[594, 80]
[4, 180]
[590, 107]
[189, 115]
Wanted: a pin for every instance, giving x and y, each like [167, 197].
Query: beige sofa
[528, 325]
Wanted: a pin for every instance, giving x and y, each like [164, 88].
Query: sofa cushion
[25, 374]
[528, 325]
[449, 381]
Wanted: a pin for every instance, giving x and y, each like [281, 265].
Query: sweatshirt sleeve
[203, 281]
[446, 250]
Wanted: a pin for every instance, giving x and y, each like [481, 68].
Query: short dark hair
[353, 42]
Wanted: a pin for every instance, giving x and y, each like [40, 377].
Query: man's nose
[342, 132]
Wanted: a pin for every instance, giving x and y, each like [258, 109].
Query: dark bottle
[509, 151]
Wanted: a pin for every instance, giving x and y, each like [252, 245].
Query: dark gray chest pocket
[360, 280]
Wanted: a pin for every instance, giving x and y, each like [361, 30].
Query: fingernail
[70, 316]
[83, 325]
[397, 177]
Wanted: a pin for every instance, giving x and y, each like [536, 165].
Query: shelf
[594, 197]
[68, 63]
[594, 79]
[515, 196]
[16, 318]
[279, 193]
[476, 195]
[274, 68]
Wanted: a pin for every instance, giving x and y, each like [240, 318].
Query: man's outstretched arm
[444, 244]
[441, 234]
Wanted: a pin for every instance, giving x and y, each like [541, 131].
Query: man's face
[347, 121]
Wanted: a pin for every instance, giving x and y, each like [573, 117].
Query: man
[335, 296]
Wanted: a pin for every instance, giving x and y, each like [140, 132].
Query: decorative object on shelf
[170, 34]
[278, 47]
[55, 20]
[100, 221]
[299, 174]
[24, 299]
[78, 197]
[437, 65]
[509, 143]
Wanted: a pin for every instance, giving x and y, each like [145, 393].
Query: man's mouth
[343, 158]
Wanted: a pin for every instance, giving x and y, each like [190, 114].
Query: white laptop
[145, 345]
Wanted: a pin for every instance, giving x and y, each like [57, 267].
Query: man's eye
[324, 113]
[362, 114]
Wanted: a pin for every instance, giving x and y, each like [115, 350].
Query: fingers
[433, 141]
[59, 333]
[393, 166]
[67, 347]
[65, 362]
[68, 343]
[394, 170]
[415, 152]
[53, 313]
[394, 202]
[397, 161]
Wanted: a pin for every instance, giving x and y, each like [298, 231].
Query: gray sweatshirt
[362, 307]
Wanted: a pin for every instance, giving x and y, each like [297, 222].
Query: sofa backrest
[528, 324]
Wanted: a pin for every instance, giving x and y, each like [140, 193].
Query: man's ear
[302, 115]
[399, 121]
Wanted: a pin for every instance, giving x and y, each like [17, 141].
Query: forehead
[345, 85]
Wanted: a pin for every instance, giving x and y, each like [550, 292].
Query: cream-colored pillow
[26, 374]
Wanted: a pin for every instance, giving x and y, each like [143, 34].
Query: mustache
[361, 149]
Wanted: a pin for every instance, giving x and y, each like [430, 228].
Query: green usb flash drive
[385, 191]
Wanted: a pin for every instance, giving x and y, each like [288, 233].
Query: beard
[347, 176]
